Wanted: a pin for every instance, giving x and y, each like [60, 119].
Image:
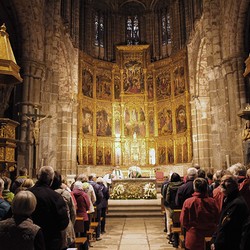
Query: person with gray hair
[4, 205]
[19, 180]
[199, 216]
[51, 210]
[90, 192]
[234, 214]
[20, 231]
[186, 190]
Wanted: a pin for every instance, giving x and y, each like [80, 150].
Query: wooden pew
[176, 227]
[79, 228]
[207, 243]
[79, 241]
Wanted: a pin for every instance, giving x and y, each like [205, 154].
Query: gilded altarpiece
[134, 111]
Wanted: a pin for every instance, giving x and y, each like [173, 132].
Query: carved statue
[246, 142]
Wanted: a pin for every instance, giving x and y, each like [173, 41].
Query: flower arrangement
[149, 191]
[132, 191]
[118, 192]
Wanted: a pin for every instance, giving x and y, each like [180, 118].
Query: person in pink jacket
[199, 216]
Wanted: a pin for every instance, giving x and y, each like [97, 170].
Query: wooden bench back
[79, 225]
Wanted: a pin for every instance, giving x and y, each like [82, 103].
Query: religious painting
[87, 84]
[170, 154]
[90, 155]
[103, 88]
[117, 126]
[179, 81]
[133, 78]
[134, 121]
[162, 155]
[163, 86]
[185, 151]
[103, 123]
[117, 87]
[87, 121]
[107, 156]
[181, 119]
[84, 155]
[179, 153]
[99, 156]
[165, 124]
[151, 122]
[150, 88]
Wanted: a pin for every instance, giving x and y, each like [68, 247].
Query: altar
[133, 188]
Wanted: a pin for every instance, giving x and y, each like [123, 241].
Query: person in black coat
[51, 211]
[104, 203]
[233, 216]
[187, 189]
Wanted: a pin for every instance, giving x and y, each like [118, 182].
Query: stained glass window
[166, 28]
[99, 30]
[133, 30]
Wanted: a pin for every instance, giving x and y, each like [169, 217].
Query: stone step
[134, 208]
[137, 214]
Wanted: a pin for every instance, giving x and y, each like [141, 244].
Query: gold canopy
[9, 70]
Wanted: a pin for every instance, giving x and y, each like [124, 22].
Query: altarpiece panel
[133, 111]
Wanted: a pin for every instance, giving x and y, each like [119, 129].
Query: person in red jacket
[83, 204]
[199, 216]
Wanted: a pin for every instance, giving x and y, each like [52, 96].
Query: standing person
[245, 189]
[7, 194]
[169, 202]
[19, 232]
[104, 203]
[90, 192]
[4, 205]
[233, 216]
[83, 204]
[186, 190]
[68, 234]
[19, 180]
[199, 216]
[163, 195]
[51, 211]
[99, 197]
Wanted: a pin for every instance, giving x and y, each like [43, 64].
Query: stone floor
[134, 234]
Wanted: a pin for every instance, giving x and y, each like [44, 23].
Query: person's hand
[212, 247]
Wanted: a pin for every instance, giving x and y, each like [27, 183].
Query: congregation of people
[41, 214]
[210, 206]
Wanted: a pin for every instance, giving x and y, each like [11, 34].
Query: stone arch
[29, 15]
[201, 81]
[234, 20]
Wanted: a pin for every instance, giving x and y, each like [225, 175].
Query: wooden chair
[159, 176]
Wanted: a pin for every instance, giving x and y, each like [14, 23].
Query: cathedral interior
[160, 84]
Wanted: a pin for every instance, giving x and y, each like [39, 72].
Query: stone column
[32, 78]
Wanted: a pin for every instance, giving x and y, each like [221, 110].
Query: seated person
[134, 172]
